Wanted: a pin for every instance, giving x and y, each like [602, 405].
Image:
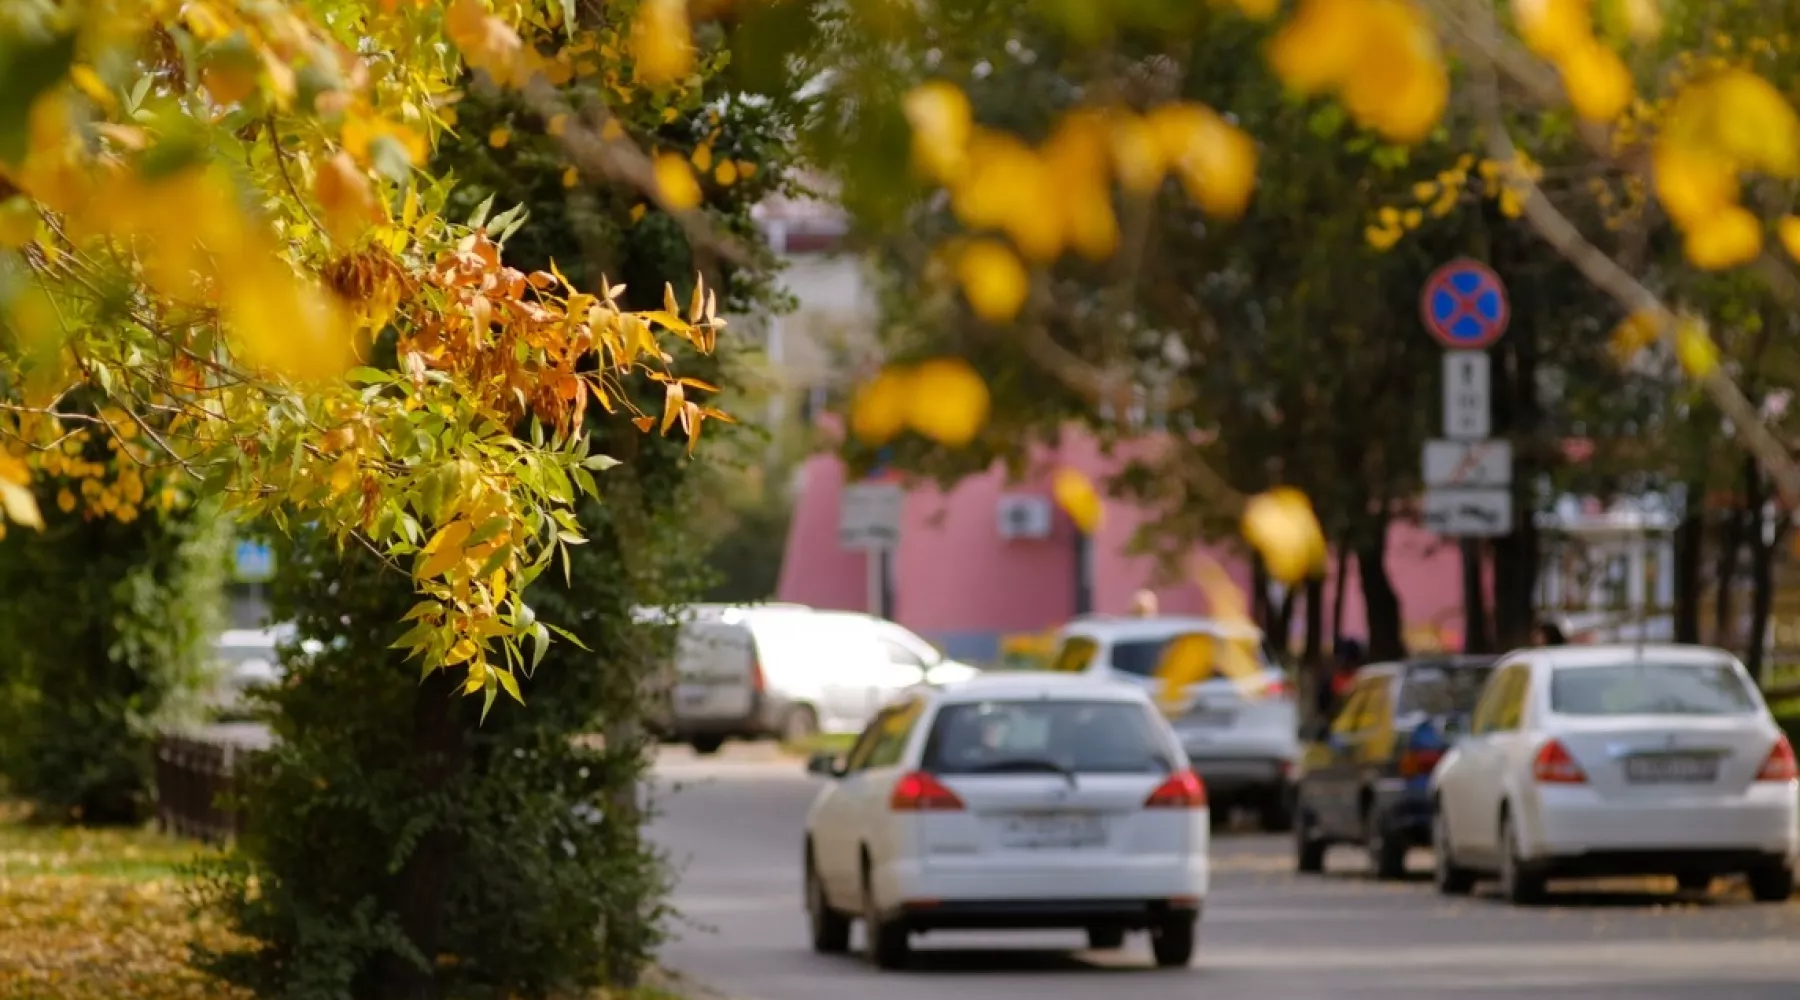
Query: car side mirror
[825, 764]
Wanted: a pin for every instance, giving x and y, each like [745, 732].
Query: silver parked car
[1243, 738]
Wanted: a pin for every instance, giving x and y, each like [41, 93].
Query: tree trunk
[1260, 612]
[1690, 542]
[1475, 618]
[418, 893]
[1387, 640]
[1762, 600]
[1725, 577]
[1515, 584]
[1312, 648]
[1283, 624]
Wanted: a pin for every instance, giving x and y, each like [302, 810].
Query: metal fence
[196, 778]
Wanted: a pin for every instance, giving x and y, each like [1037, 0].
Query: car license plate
[1208, 718]
[1671, 769]
[1036, 831]
[692, 694]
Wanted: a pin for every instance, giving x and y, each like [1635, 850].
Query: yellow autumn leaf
[1225, 601]
[1075, 494]
[947, 401]
[19, 505]
[1552, 27]
[1788, 229]
[345, 197]
[445, 549]
[571, 177]
[1694, 348]
[1186, 660]
[1398, 83]
[1730, 237]
[662, 42]
[1138, 157]
[283, 323]
[942, 122]
[1633, 334]
[726, 173]
[675, 180]
[993, 280]
[1316, 48]
[1643, 20]
[1754, 124]
[1596, 79]
[1282, 527]
[463, 650]
[1692, 184]
[878, 411]
[1216, 164]
[18, 222]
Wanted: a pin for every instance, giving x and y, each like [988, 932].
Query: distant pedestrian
[1548, 633]
[1143, 604]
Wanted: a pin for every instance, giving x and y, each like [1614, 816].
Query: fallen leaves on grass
[99, 915]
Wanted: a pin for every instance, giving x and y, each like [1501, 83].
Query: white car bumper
[1569, 821]
[1070, 877]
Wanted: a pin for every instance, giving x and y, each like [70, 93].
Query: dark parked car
[1365, 777]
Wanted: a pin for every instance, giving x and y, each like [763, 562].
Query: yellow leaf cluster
[1075, 494]
[1720, 127]
[1435, 199]
[1282, 527]
[943, 399]
[1381, 58]
[1594, 76]
[1058, 197]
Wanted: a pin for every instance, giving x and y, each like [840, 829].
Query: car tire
[1772, 883]
[1387, 853]
[1172, 941]
[799, 725]
[1694, 882]
[1277, 813]
[1520, 884]
[706, 746]
[1450, 878]
[1105, 938]
[889, 943]
[829, 928]
[1309, 847]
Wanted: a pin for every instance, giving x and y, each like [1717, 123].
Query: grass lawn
[97, 915]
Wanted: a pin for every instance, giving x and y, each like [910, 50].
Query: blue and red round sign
[1464, 305]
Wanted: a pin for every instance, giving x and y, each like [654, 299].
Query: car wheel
[1772, 884]
[706, 745]
[1172, 942]
[890, 946]
[1105, 938]
[1309, 847]
[1451, 878]
[830, 929]
[1693, 882]
[1387, 853]
[1519, 884]
[1277, 814]
[800, 724]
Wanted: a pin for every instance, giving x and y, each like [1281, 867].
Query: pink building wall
[953, 574]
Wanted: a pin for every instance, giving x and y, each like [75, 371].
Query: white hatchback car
[1618, 760]
[1020, 801]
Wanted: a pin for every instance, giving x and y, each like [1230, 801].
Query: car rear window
[1141, 657]
[1650, 689]
[1098, 737]
[1443, 689]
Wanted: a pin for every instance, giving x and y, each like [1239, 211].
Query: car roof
[1447, 661]
[1037, 684]
[1116, 628]
[1613, 654]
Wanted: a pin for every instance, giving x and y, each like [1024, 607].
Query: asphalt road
[732, 829]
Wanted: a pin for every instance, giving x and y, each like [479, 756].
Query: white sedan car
[1015, 801]
[1585, 761]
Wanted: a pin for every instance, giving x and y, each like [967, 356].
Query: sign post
[1468, 476]
[869, 516]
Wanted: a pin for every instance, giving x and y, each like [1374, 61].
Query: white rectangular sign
[869, 516]
[1468, 399]
[1468, 463]
[1468, 513]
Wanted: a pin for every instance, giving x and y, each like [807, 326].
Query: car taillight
[758, 683]
[1182, 790]
[1554, 766]
[1417, 762]
[920, 792]
[1275, 687]
[1781, 765]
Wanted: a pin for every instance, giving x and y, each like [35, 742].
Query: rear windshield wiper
[1026, 764]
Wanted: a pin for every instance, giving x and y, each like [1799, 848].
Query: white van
[788, 671]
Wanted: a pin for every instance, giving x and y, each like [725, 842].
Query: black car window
[1442, 689]
[1098, 737]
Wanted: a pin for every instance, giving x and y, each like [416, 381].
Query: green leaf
[487, 700]
[599, 463]
[29, 66]
[479, 218]
[391, 159]
[568, 18]
[369, 376]
[540, 644]
[417, 636]
[566, 634]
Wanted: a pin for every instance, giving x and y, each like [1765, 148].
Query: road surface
[732, 828]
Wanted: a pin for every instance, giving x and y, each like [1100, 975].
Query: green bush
[106, 632]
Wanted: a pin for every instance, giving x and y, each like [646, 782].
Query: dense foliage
[105, 635]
